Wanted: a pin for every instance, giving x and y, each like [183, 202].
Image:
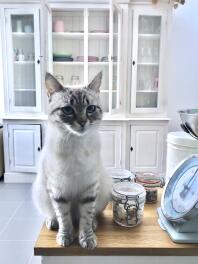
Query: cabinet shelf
[68, 63]
[80, 35]
[98, 63]
[147, 91]
[23, 62]
[68, 35]
[81, 63]
[148, 64]
[149, 36]
[107, 91]
[22, 34]
[24, 90]
[99, 35]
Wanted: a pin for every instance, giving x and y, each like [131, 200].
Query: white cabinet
[85, 40]
[22, 42]
[24, 146]
[147, 148]
[111, 146]
[148, 44]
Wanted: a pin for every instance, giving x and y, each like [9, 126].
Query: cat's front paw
[51, 224]
[88, 240]
[65, 239]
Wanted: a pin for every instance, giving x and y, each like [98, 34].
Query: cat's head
[74, 109]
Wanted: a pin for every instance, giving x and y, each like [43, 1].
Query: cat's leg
[62, 208]
[51, 223]
[104, 192]
[43, 203]
[95, 223]
[87, 238]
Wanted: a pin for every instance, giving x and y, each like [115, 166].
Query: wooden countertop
[147, 239]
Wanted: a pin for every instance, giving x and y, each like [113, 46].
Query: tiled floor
[20, 224]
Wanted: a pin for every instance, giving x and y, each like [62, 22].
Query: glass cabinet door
[84, 42]
[23, 50]
[146, 62]
[68, 56]
[98, 51]
[116, 57]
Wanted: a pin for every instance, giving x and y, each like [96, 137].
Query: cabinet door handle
[133, 63]
[131, 148]
[38, 61]
[39, 148]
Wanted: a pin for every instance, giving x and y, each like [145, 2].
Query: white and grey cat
[72, 185]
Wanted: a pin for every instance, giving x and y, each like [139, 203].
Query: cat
[72, 185]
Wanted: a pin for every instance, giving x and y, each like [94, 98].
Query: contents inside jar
[150, 181]
[151, 195]
[128, 203]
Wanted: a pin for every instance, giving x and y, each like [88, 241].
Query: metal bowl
[189, 118]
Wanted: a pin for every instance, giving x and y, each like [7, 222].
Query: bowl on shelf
[189, 118]
[62, 57]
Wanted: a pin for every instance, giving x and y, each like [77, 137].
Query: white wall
[183, 62]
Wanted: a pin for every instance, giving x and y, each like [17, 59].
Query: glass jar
[150, 181]
[120, 175]
[60, 78]
[75, 80]
[128, 203]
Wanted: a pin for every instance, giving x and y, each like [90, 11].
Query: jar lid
[121, 174]
[182, 139]
[149, 179]
[129, 189]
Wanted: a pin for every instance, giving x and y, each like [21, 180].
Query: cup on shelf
[31, 57]
[58, 26]
[28, 29]
[20, 55]
[19, 26]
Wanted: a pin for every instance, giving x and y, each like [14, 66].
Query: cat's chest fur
[72, 160]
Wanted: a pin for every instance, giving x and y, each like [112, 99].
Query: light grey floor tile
[15, 194]
[18, 186]
[15, 252]
[3, 223]
[28, 196]
[35, 260]
[22, 229]
[27, 210]
[7, 209]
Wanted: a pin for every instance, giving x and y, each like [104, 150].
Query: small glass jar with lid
[150, 181]
[128, 203]
[121, 175]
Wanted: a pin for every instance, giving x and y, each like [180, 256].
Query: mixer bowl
[189, 118]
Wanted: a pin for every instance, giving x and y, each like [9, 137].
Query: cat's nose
[82, 123]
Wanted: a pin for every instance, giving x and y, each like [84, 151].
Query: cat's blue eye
[68, 110]
[91, 109]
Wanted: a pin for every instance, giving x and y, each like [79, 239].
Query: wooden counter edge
[38, 251]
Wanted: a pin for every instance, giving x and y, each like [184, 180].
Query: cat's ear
[95, 83]
[52, 84]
